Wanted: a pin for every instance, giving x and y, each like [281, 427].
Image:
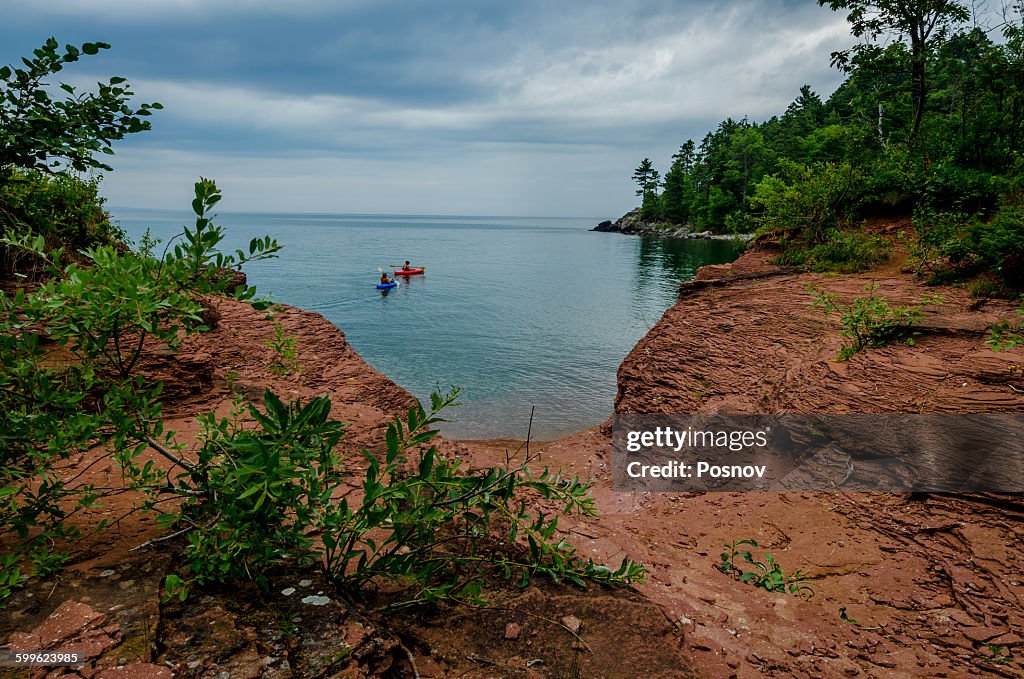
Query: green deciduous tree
[923, 24]
[42, 132]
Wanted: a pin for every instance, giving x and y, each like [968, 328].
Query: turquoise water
[519, 312]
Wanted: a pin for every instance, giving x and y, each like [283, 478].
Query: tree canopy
[41, 132]
[930, 121]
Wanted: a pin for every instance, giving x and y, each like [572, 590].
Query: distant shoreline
[631, 224]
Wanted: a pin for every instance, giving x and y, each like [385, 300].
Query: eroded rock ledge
[745, 338]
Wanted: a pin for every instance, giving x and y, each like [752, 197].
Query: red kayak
[408, 272]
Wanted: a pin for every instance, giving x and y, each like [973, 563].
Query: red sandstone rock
[136, 671]
[71, 619]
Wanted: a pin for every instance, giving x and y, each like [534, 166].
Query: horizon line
[353, 214]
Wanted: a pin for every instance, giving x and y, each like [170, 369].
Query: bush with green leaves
[70, 379]
[260, 481]
[67, 211]
[809, 209]
[951, 188]
[273, 493]
[871, 321]
[892, 180]
[999, 244]
[767, 574]
[39, 131]
[941, 247]
[957, 245]
[841, 252]
[442, 531]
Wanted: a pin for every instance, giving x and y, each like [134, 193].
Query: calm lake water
[519, 312]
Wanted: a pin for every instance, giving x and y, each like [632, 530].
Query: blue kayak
[387, 286]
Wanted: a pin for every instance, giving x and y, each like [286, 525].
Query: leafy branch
[40, 132]
[101, 315]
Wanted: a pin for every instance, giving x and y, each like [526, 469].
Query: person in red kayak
[406, 267]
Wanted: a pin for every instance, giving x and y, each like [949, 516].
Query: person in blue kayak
[384, 280]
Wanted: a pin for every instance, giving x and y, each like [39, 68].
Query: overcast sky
[387, 106]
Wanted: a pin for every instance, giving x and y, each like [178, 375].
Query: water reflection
[681, 257]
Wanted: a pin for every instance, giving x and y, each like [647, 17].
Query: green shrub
[960, 245]
[986, 288]
[101, 315]
[941, 240]
[440, 531]
[999, 244]
[276, 493]
[809, 209]
[65, 210]
[893, 180]
[263, 488]
[767, 574]
[871, 321]
[843, 252]
[950, 188]
[806, 204]
[1010, 185]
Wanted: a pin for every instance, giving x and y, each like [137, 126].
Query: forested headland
[928, 123]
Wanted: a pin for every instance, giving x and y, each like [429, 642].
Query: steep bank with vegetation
[929, 122]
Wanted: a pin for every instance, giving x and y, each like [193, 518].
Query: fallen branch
[162, 538]
[187, 466]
